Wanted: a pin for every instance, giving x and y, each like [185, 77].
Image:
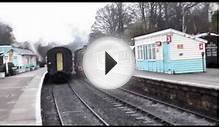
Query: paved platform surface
[20, 98]
[209, 79]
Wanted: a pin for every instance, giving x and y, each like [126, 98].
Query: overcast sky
[49, 21]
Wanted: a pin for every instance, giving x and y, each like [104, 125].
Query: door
[59, 60]
[165, 56]
[1, 60]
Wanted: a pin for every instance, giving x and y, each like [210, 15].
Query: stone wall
[201, 100]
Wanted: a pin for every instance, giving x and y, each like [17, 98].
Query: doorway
[166, 56]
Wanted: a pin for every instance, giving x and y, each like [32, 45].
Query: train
[78, 59]
[59, 64]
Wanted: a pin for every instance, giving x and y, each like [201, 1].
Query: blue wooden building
[170, 51]
[23, 59]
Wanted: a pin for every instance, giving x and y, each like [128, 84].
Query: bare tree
[215, 22]
[142, 7]
[112, 19]
[6, 35]
[189, 17]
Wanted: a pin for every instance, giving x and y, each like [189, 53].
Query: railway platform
[20, 98]
[208, 79]
[196, 92]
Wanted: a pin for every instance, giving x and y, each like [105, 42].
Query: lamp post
[6, 66]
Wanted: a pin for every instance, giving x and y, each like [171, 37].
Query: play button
[108, 63]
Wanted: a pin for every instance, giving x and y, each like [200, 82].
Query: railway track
[165, 121]
[122, 105]
[57, 108]
[65, 120]
[134, 110]
[94, 113]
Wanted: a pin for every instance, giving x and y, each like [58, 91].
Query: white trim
[177, 81]
[132, 47]
[168, 31]
[38, 101]
[5, 46]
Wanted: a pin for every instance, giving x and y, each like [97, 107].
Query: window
[142, 52]
[145, 52]
[149, 51]
[153, 51]
[139, 52]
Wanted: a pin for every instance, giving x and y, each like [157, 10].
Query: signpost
[6, 65]
[2, 74]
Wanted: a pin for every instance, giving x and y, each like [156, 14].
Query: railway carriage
[170, 51]
[59, 64]
[78, 59]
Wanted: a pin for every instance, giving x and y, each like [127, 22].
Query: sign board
[158, 43]
[179, 46]
[211, 49]
[169, 38]
[201, 46]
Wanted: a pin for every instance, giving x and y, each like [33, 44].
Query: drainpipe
[203, 63]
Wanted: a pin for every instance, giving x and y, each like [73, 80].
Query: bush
[11, 71]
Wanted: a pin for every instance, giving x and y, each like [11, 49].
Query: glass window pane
[142, 54]
[149, 51]
[144, 51]
[137, 54]
[154, 52]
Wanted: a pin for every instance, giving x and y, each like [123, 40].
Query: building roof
[23, 51]
[169, 31]
[6, 48]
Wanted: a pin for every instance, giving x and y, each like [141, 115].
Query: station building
[170, 51]
[23, 59]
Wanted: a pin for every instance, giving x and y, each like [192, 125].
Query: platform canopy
[206, 34]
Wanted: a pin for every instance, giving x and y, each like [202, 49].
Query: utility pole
[183, 19]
